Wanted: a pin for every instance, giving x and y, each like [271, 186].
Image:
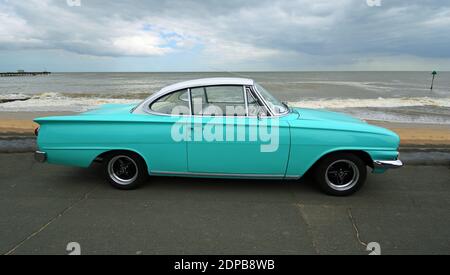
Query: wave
[56, 102]
[128, 95]
[402, 115]
[433, 110]
[372, 103]
[400, 110]
[13, 97]
[370, 86]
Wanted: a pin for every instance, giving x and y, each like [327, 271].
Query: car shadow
[95, 175]
[304, 185]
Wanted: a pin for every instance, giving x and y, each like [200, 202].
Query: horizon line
[245, 71]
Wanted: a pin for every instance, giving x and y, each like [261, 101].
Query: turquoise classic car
[220, 128]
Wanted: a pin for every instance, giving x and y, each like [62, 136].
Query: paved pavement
[44, 207]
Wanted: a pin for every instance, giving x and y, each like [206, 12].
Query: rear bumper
[40, 156]
[388, 164]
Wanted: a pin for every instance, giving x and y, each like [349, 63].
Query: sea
[403, 97]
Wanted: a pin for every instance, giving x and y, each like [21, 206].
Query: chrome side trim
[293, 177]
[40, 156]
[218, 175]
[388, 164]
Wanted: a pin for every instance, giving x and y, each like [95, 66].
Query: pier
[23, 73]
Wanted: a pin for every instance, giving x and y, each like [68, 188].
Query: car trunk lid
[112, 109]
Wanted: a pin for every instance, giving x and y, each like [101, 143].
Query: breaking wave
[373, 103]
[433, 110]
[56, 102]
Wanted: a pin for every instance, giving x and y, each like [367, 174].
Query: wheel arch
[363, 155]
[100, 158]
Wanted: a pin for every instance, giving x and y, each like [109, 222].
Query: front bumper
[40, 156]
[388, 164]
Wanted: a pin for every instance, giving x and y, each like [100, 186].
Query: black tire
[125, 170]
[340, 174]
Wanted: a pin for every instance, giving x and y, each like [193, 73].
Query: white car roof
[140, 109]
[207, 82]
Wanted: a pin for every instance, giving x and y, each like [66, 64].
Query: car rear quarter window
[176, 103]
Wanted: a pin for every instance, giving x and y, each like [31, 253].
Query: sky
[218, 35]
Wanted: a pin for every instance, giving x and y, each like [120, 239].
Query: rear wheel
[341, 174]
[125, 170]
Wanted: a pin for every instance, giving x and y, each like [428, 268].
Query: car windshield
[274, 104]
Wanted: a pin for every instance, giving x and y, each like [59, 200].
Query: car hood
[325, 120]
[322, 115]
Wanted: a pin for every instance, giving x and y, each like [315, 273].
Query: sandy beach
[419, 134]
[21, 124]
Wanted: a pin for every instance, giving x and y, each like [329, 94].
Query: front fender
[309, 143]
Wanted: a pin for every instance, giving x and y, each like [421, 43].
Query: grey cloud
[314, 28]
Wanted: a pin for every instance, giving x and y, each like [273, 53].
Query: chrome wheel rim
[342, 175]
[123, 170]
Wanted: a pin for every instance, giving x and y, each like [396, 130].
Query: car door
[164, 145]
[229, 139]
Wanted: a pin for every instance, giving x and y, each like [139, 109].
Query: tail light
[36, 131]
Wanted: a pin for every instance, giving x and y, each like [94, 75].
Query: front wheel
[125, 171]
[341, 174]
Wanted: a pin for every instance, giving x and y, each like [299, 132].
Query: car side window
[219, 101]
[255, 108]
[176, 103]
